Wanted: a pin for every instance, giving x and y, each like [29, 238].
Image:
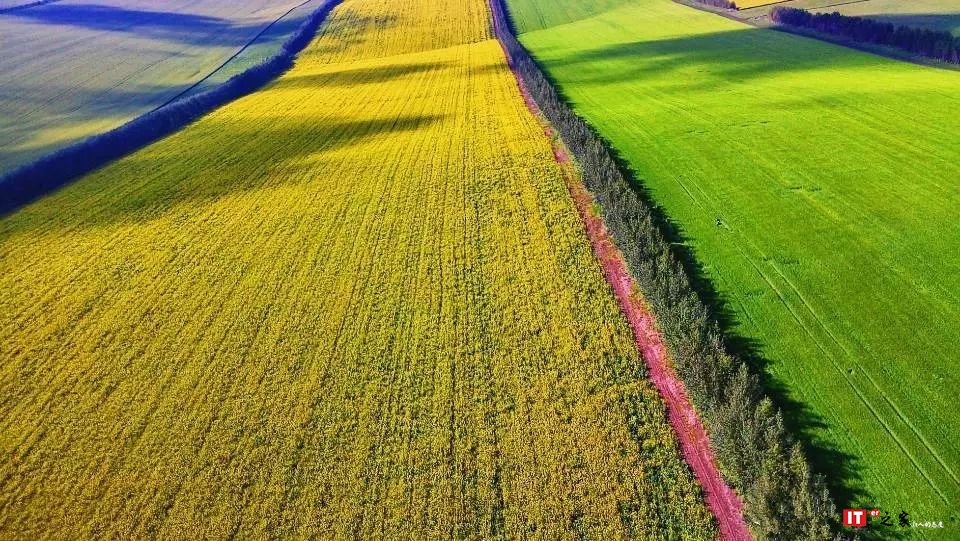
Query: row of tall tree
[757, 456]
[50, 172]
[936, 45]
[725, 4]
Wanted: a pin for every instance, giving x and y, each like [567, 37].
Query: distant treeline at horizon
[936, 45]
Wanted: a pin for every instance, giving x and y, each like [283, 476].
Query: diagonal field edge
[234, 56]
[722, 501]
[691, 434]
[782, 498]
[27, 6]
[33, 180]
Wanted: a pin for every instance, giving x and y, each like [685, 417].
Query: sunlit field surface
[356, 304]
[73, 68]
[536, 15]
[818, 188]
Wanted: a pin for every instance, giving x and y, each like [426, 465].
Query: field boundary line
[233, 57]
[724, 503]
[27, 6]
[48, 173]
[760, 459]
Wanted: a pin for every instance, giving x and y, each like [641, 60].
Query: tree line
[725, 4]
[783, 498]
[50, 172]
[933, 44]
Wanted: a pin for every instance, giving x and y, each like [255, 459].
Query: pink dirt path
[694, 443]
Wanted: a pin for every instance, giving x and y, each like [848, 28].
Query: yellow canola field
[357, 304]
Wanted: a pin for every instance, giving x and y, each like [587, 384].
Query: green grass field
[932, 14]
[834, 177]
[537, 15]
[73, 69]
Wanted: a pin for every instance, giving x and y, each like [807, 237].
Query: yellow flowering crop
[356, 304]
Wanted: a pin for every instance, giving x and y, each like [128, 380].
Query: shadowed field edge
[886, 51]
[11, 9]
[213, 73]
[783, 498]
[44, 175]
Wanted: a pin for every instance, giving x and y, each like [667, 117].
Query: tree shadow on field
[350, 77]
[734, 56]
[210, 160]
[126, 102]
[189, 28]
[841, 470]
[61, 107]
[60, 121]
[718, 58]
[348, 30]
[64, 115]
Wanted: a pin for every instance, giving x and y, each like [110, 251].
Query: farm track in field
[235, 55]
[357, 303]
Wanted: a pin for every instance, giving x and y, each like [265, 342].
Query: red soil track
[694, 443]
